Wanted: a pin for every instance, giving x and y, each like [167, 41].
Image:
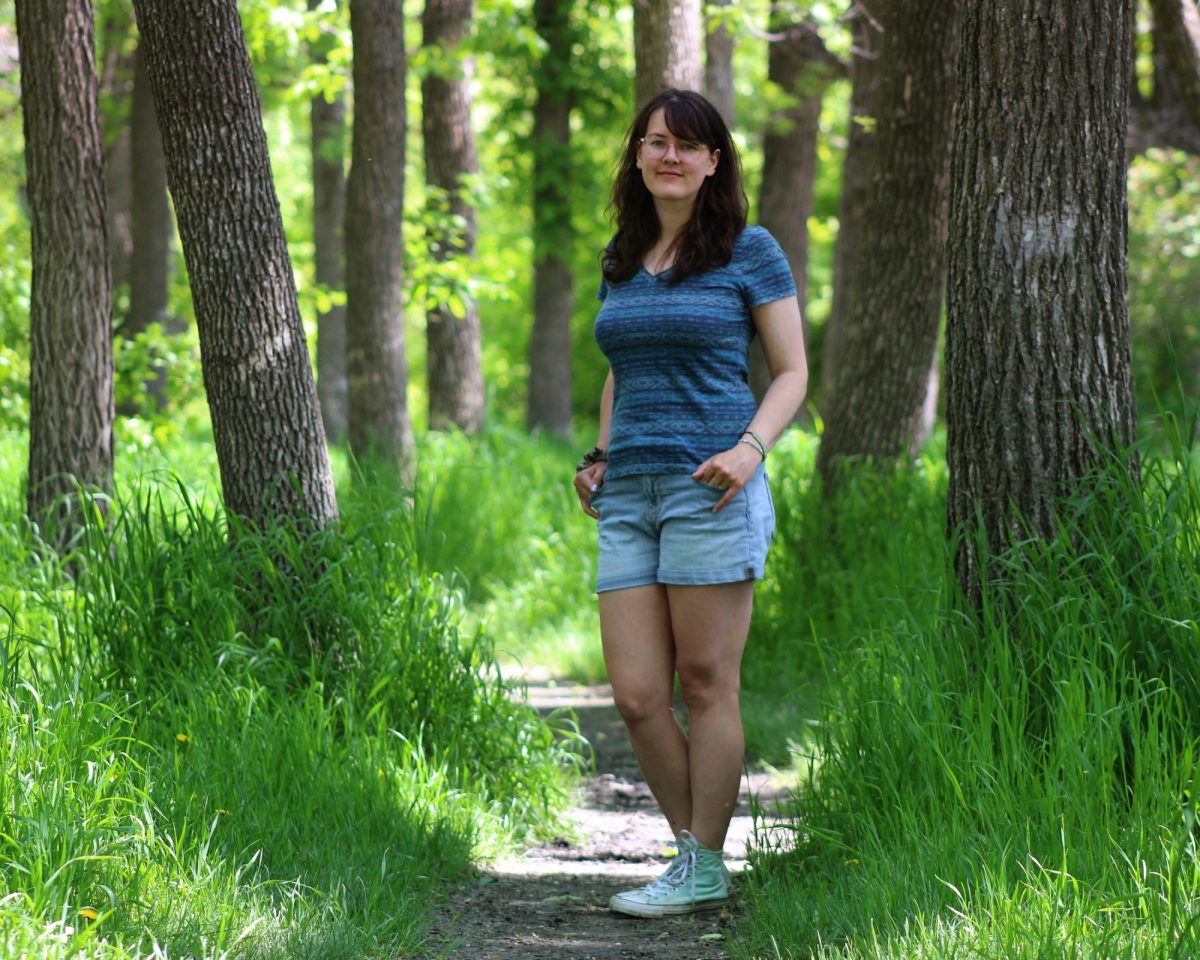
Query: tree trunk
[668, 46]
[376, 371]
[1177, 26]
[800, 66]
[116, 87]
[328, 120]
[553, 236]
[718, 62]
[453, 363]
[150, 224]
[887, 329]
[261, 395]
[1037, 352]
[70, 312]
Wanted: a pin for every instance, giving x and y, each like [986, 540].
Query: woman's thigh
[639, 649]
[709, 625]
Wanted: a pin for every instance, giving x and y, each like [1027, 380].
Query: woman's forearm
[779, 406]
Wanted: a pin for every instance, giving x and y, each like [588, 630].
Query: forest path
[552, 902]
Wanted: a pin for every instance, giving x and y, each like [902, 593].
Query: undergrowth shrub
[1012, 786]
[220, 742]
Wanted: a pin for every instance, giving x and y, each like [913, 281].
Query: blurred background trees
[482, 152]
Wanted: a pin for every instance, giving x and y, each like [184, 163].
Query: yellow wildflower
[88, 913]
[181, 737]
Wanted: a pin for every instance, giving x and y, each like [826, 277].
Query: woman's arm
[590, 478]
[781, 333]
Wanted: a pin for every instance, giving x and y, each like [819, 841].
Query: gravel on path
[552, 901]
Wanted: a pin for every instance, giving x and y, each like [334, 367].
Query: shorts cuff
[625, 581]
[702, 578]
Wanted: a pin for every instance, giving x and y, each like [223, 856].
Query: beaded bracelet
[595, 455]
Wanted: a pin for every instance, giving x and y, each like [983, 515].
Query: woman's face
[673, 168]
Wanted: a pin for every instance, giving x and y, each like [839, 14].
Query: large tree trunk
[328, 120]
[668, 46]
[376, 372]
[799, 65]
[70, 314]
[718, 61]
[452, 358]
[261, 395]
[1037, 352]
[1177, 26]
[553, 237]
[887, 329]
[150, 224]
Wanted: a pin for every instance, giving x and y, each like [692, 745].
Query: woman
[676, 479]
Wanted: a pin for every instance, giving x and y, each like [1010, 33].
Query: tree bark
[1037, 355]
[718, 63]
[799, 65]
[376, 372]
[668, 46]
[553, 235]
[1177, 27]
[328, 122]
[454, 366]
[887, 327]
[150, 222]
[262, 399]
[70, 314]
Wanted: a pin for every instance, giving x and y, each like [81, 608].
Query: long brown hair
[719, 215]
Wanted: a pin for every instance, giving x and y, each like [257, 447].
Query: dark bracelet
[757, 444]
[595, 455]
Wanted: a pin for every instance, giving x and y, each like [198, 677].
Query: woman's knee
[636, 705]
[704, 683]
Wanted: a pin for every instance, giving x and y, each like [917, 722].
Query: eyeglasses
[687, 151]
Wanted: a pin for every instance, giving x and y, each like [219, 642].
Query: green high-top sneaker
[695, 880]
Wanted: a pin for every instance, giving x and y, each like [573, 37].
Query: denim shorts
[660, 528]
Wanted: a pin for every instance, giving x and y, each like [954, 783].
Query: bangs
[687, 122]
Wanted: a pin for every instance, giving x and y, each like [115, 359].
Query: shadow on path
[552, 902]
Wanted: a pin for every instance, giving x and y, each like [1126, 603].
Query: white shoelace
[682, 868]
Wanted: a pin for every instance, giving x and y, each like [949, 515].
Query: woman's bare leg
[639, 651]
[709, 626]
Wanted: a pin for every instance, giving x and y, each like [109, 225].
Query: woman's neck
[672, 218]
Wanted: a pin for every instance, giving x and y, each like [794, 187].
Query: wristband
[753, 446]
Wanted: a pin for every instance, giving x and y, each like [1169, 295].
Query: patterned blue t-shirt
[680, 357]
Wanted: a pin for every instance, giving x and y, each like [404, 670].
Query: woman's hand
[587, 482]
[730, 470]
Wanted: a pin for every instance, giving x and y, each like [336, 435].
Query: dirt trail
[552, 902]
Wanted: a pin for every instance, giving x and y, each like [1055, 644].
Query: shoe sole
[665, 910]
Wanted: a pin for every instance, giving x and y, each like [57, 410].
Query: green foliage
[836, 571]
[219, 743]
[497, 515]
[1164, 277]
[1017, 786]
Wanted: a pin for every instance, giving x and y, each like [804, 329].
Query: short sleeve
[765, 273]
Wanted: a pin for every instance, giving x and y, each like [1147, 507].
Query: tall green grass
[836, 570]
[1019, 783]
[221, 742]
